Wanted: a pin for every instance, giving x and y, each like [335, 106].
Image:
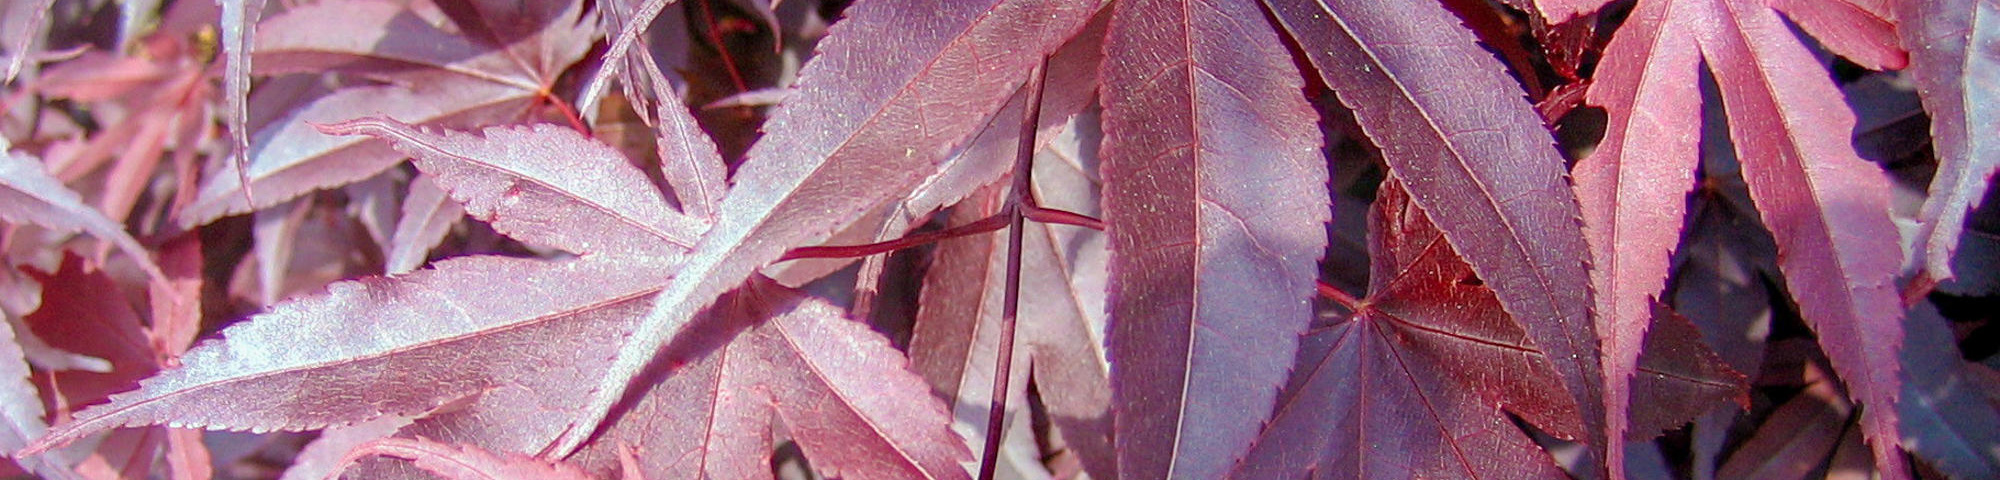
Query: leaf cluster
[645, 239]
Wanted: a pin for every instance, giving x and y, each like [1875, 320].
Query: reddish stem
[1021, 200]
[1050, 215]
[721, 51]
[1341, 297]
[984, 225]
[568, 113]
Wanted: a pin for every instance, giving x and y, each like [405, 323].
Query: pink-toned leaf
[713, 388]
[544, 184]
[1633, 187]
[847, 142]
[466, 462]
[1861, 30]
[428, 214]
[1064, 329]
[628, 26]
[1952, 58]
[1060, 320]
[955, 343]
[239, 18]
[855, 414]
[291, 158]
[375, 38]
[373, 203]
[958, 303]
[1827, 208]
[324, 456]
[274, 235]
[1215, 197]
[448, 80]
[125, 453]
[86, 312]
[719, 378]
[29, 196]
[176, 304]
[27, 36]
[1408, 386]
[1678, 378]
[21, 295]
[289, 369]
[96, 76]
[1069, 87]
[1450, 120]
[688, 158]
[187, 458]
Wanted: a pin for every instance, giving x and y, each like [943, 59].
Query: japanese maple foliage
[998, 238]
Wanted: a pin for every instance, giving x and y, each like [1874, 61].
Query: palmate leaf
[1449, 119]
[87, 312]
[1827, 208]
[844, 143]
[1407, 387]
[495, 351]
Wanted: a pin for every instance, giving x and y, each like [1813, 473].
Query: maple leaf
[1826, 207]
[1954, 67]
[764, 353]
[419, 73]
[844, 143]
[417, 331]
[1445, 115]
[1407, 387]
